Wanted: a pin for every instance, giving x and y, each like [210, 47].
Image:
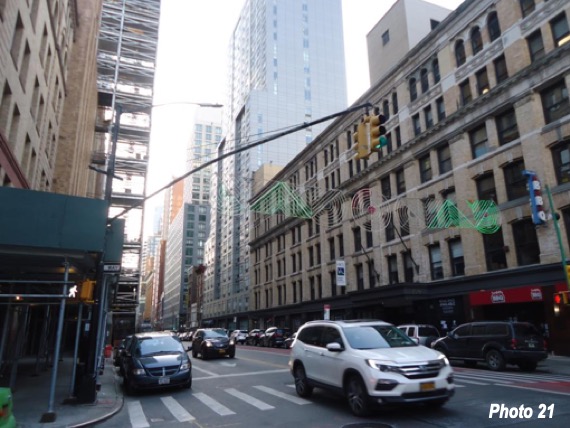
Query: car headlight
[185, 365]
[383, 366]
[232, 342]
[209, 344]
[443, 361]
[138, 372]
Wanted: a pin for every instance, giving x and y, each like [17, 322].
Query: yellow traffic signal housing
[378, 137]
[86, 291]
[568, 275]
[361, 139]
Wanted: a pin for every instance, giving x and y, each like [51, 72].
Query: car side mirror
[335, 347]
[416, 340]
[189, 348]
[451, 335]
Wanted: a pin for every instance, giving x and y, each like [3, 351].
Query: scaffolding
[126, 59]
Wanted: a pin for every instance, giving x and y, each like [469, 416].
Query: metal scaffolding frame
[126, 57]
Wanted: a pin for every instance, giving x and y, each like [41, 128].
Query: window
[430, 210]
[535, 45]
[501, 73]
[369, 237]
[493, 26]
[561, 155]
[392, 269]
[476, 40]
[459, 53]
[515, 181]
[341, 245]
[436, 267]
[386, 189]
[398, 137]
[527, 7]
[424, 82]
[433, 24]
[507, 128]
[555, 102]
[359, 277]
[404, 220]
[385, 37]
[478, 139]
[413, 89]
[440, 106]
[394, 102]
[526, 242]
[435, 71]
[444, 159]
[560, 32]
[428, 116]
[386, 109]
[486, 187]
[400, 181]
[390, 229]
[408, 266]
[372, 275]
[482, 81]
[417, 124]
[465, 92]
[494, 251]
[456, 257]
[425, 168]
[356, 234]
[331, 249]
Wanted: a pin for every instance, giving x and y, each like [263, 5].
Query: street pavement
[31, 396]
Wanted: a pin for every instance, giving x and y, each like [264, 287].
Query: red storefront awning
[530, 293]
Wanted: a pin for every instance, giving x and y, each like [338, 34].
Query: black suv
[497, 343]
[212, 342]
[275, 336]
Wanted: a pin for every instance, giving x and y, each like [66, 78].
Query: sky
[191, 68]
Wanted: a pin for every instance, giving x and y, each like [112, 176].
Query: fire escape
[126, 59]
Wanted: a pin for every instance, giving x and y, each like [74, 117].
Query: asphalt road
[255, 389]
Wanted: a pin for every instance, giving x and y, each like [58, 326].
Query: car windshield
[376, 337]
[427, 331]
[214, 334]
[158, 345]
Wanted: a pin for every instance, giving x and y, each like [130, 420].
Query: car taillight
[545, 344]
[513, 343]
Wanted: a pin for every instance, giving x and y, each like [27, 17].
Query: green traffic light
[383, 141]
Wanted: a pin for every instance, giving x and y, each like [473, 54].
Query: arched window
[493, 26]
[386, 109]
[476, 40]
[424, 80]
[459, 53]
[413, 89]
[435, 70]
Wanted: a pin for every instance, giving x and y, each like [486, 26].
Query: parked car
[369, 362]
[274, 336]
[424, 333]
[156, 360]
[223, 331]
[253, 337]
[239, 336]
[209, 342]
[7, 419]
[288, 343]
[496, 343]
[120, 353]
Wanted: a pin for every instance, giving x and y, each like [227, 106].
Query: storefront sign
[509, 295]
[447, 306]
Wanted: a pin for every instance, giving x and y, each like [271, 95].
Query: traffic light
[361, 139]
[86, 291]
[378, 137]
[561, 298]
[567, 274]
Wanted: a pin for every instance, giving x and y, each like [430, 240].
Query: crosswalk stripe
[216, 406]
[249, 399]
[177, 410]
[136, 415]
[470, 381]
[282, 395]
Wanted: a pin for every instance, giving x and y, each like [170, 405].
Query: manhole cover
[367, 425]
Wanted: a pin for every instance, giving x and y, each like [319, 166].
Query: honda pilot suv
[369, 362]
[496, 343]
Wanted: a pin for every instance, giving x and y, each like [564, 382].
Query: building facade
[438, 226]
[285, 67]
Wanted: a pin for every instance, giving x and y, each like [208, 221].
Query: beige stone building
[48, 99]
[438, 226]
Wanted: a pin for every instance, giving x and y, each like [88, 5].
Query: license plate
[427, 386]
[531, 345]
[222, 351]
[163, 380]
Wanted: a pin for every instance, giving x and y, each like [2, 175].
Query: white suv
[370, 362]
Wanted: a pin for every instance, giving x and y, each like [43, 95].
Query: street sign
[340, 273]
[112, 267]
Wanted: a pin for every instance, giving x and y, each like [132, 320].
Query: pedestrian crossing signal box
[86, 291]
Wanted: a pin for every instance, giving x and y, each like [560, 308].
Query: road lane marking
[282, 395]
[469, 381]
[216, 406]
[177, 410]
[211, 374]
[526, 387]
[249, 399]
[136, 415]
[218, 376]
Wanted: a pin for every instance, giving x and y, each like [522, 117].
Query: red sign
[531, 293]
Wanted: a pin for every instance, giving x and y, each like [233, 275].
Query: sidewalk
[32, 395]
[31, 398]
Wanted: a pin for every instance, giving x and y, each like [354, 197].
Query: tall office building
[286, 67]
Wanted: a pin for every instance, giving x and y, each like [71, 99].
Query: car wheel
[527, 366]
[204, 354]
[357, 396]
[301, 383]
[130, 387]
[194, 353]
[232, 354]
[495, 360]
